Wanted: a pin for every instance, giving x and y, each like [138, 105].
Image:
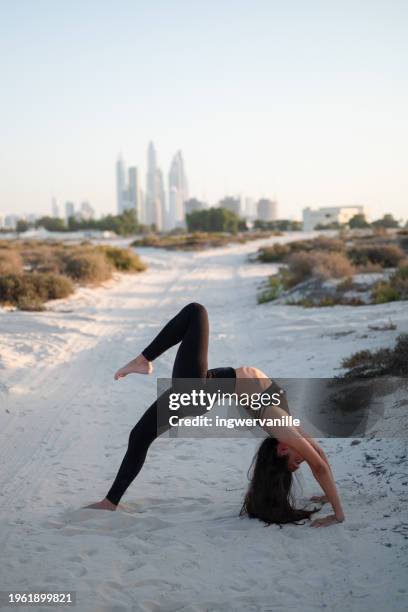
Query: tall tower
[178, 192]
[120, 185]
[54, 207]
[133, 192]
[155, 210]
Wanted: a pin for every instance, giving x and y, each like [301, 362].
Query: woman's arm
[320, 468]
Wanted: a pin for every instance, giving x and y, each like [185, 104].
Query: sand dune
[178, 543]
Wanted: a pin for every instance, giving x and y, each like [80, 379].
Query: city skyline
[303, 102]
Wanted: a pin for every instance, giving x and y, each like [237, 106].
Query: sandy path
[180, 545]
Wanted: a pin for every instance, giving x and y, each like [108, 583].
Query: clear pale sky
[305, 99]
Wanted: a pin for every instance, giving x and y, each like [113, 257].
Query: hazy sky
[305, 99]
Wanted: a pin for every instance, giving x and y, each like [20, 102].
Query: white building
[10, 221]
[330, 214]
[267, 210]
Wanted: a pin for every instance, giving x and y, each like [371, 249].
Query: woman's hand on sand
[139, 365]
[320, 499]
[325, 521]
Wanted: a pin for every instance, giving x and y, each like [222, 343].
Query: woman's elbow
[320, 469]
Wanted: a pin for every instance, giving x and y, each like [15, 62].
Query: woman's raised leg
[190, 327]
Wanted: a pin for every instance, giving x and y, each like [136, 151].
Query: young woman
[269, 494]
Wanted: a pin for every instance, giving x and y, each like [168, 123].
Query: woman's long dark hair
[269, 495]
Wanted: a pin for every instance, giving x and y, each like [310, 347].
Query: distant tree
[52, 224]
[387, 221]
[22, 226]
[215, 219]
[281, 225]
[124, 224]
[329, 226]
[358, 222]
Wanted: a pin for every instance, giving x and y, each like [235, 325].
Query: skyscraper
[133, 200]
[232, 204]
[69, 210]
[86, 211]
[54, 207]
[155, 210]
[120, 185]
[178, 192]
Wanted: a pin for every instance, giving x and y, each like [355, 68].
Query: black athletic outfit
[189, 327]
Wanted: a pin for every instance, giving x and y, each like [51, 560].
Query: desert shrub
[10, 262]
[396, 288]
[385, 361]
[87, 266]
[124, 260]
[383, 292]
[319, 264]
[387, 255]
[274, 253]
[323, 243]
[30, 303]
[274, 290]
[281, 252]
[28, 291]
[40, 257]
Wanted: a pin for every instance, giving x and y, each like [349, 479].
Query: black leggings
[190, 327]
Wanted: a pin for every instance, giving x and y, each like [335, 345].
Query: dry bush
[386, 361]
[386, 255]
[87, 266]
[281, 252]
[40, 257]
[319, 264]
[10, 262]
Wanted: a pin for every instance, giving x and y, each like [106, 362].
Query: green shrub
[274, 290]
[123, 260]
[29, 291]
[386, 255]
[87, 267]
[384, 292]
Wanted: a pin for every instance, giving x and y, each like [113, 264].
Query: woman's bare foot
[105, 504]
[139, 365]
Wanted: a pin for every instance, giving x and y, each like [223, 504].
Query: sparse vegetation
[308, 264]
[385, 361]
[30, 291]
[385, 255]
[281, 252]
[33, 272]
[196, 241]
[123, 260]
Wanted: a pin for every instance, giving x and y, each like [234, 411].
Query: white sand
[180, 544]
